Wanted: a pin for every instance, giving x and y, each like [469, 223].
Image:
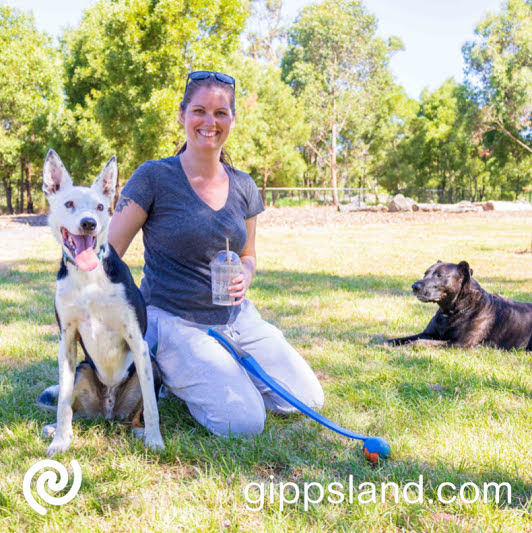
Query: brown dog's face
[442, 282]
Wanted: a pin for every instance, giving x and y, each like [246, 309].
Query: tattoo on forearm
[123, 201]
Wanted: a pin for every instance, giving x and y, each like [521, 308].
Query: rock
[401, 204]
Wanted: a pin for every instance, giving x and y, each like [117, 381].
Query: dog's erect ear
[465, 271]
[54, 175]
[106, 181]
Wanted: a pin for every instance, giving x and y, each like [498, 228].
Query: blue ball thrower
[375, 448]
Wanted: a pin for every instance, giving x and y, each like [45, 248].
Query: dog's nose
[88, 224]
[416, 286]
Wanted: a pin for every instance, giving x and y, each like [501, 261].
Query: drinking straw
[228, 263]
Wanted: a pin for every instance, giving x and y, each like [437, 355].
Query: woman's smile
[205, 133]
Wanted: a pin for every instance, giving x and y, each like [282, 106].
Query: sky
[433, 31]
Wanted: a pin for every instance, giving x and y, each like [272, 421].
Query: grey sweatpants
[219, 392]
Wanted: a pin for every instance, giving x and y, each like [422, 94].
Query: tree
[386, 136]
[30, 91]
[499, 70]
[270, 125]
[267, 34]
[336, 65]
[127, 65]
[436, 151]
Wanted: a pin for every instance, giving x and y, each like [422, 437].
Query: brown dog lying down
[468, 315]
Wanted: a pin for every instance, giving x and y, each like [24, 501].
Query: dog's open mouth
[82, 248]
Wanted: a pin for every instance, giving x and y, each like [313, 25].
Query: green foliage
[338, 67]
[30, 92]
[499, 64]
[127, 63]
[390, 127]
[436, 150]
[330, 112]
[266, 33]
[270, 125]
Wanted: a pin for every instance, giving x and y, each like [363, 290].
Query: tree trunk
[29, 196]
[333, 166]
[8, 191]
[264, 182]
[21, 187]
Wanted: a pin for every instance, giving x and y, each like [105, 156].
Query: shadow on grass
[306, 284]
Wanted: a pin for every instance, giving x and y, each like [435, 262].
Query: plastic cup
[224, 268]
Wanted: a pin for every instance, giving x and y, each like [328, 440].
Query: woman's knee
[238, 425]
[246, 419]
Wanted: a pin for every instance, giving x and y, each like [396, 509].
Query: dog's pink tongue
[87, 260]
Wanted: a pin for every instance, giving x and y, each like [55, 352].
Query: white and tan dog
[98, 303]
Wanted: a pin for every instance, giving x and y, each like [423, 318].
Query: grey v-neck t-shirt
[182, 234]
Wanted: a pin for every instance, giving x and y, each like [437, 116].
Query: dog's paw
[48, 432]
[58, 446]
[154, 441]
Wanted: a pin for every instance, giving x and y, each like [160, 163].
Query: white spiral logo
[50, 477]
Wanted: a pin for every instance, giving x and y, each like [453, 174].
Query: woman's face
[207, 118]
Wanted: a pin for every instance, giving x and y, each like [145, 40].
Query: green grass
[450, 415]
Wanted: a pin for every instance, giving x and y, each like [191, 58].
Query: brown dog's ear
[465, 271]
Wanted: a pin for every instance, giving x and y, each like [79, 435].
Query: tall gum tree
[335, 64]
[499, 71]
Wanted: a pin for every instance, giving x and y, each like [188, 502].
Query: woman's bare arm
[127, 220]
[248, 257]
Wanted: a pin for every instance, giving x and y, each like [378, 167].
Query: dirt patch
[7, 221]
[328, 216]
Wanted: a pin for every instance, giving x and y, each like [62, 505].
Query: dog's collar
[67, 259]
[459, 312]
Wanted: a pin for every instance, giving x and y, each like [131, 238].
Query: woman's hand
[241, 283]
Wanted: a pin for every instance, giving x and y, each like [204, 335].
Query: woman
[187, 205]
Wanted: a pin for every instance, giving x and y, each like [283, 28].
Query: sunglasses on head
[205, 74]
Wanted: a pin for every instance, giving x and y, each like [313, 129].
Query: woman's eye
[69, 204]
